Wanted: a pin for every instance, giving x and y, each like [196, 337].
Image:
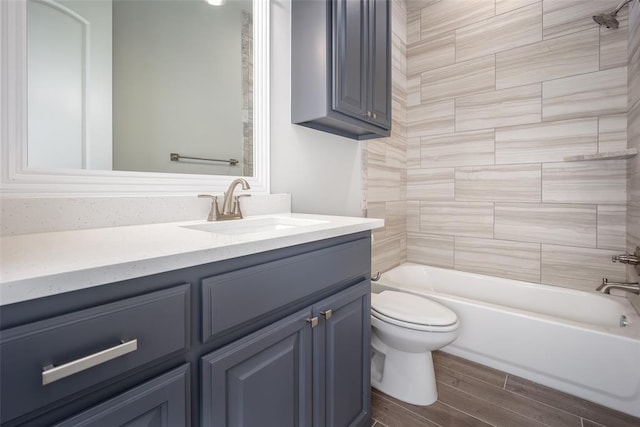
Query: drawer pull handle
[55, 373]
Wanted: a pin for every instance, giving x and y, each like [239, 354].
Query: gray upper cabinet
[380, 63]
[341, 66]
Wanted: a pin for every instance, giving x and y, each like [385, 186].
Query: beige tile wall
[385, 160]
[498, 93]
[633, 123]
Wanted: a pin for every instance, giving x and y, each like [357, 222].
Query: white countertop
[44, 264]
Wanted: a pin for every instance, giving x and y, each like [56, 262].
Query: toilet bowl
[405, 329]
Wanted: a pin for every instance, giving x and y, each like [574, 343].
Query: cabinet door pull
[327, 314]
[375, 116]
[368, 113]
[313, 322]
[54, 373]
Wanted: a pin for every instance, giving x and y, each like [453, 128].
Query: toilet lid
[412, 309]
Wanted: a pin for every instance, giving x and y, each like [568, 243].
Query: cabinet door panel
[342, 380]
[263, 379]
[160, 402]
[349, 57]
[380, 63]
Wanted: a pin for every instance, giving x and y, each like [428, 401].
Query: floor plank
[481, 409]
[439, 413]
[543, 413]
[472, 395]
[583, 408]
[458, 364]
[393, 415]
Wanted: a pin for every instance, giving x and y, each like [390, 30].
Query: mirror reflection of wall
[180, 81]
[69, 84]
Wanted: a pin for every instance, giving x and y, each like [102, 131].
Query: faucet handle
[236, 203]
[214, 213]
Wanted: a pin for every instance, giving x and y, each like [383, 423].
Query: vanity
[265, 322]
[267, 327]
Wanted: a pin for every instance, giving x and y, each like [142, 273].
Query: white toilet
[405, 329]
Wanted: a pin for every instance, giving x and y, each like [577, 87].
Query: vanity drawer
[233, 299]
[48, 360]
[162, 401]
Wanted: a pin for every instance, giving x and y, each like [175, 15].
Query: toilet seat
[413, 312]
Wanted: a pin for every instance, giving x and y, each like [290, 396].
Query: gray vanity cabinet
[277, 338]
[309, 369]
[341, 66]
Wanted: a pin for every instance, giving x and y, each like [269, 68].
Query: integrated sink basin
[254, 225]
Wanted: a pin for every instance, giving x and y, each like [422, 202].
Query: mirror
[140, 85]
[86, 140]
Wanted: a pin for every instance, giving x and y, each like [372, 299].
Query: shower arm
[622, 4]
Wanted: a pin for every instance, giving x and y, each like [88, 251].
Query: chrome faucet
[230, 204]
[606, 287]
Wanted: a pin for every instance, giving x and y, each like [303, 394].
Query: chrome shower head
[608, 19]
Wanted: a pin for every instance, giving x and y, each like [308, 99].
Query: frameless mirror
[140, 85]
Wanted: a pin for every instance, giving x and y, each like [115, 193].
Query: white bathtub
[565, 339]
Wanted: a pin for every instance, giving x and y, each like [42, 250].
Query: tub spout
[606, 287]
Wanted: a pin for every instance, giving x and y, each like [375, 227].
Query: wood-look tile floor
[474, 395]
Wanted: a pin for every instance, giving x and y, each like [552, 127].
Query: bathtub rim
[631, 331]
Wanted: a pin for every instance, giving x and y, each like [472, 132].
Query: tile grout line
[597, 226]
[598, 134]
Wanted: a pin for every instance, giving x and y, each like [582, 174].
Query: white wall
[321, 171]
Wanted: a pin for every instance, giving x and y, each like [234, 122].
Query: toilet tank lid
[412, 308]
